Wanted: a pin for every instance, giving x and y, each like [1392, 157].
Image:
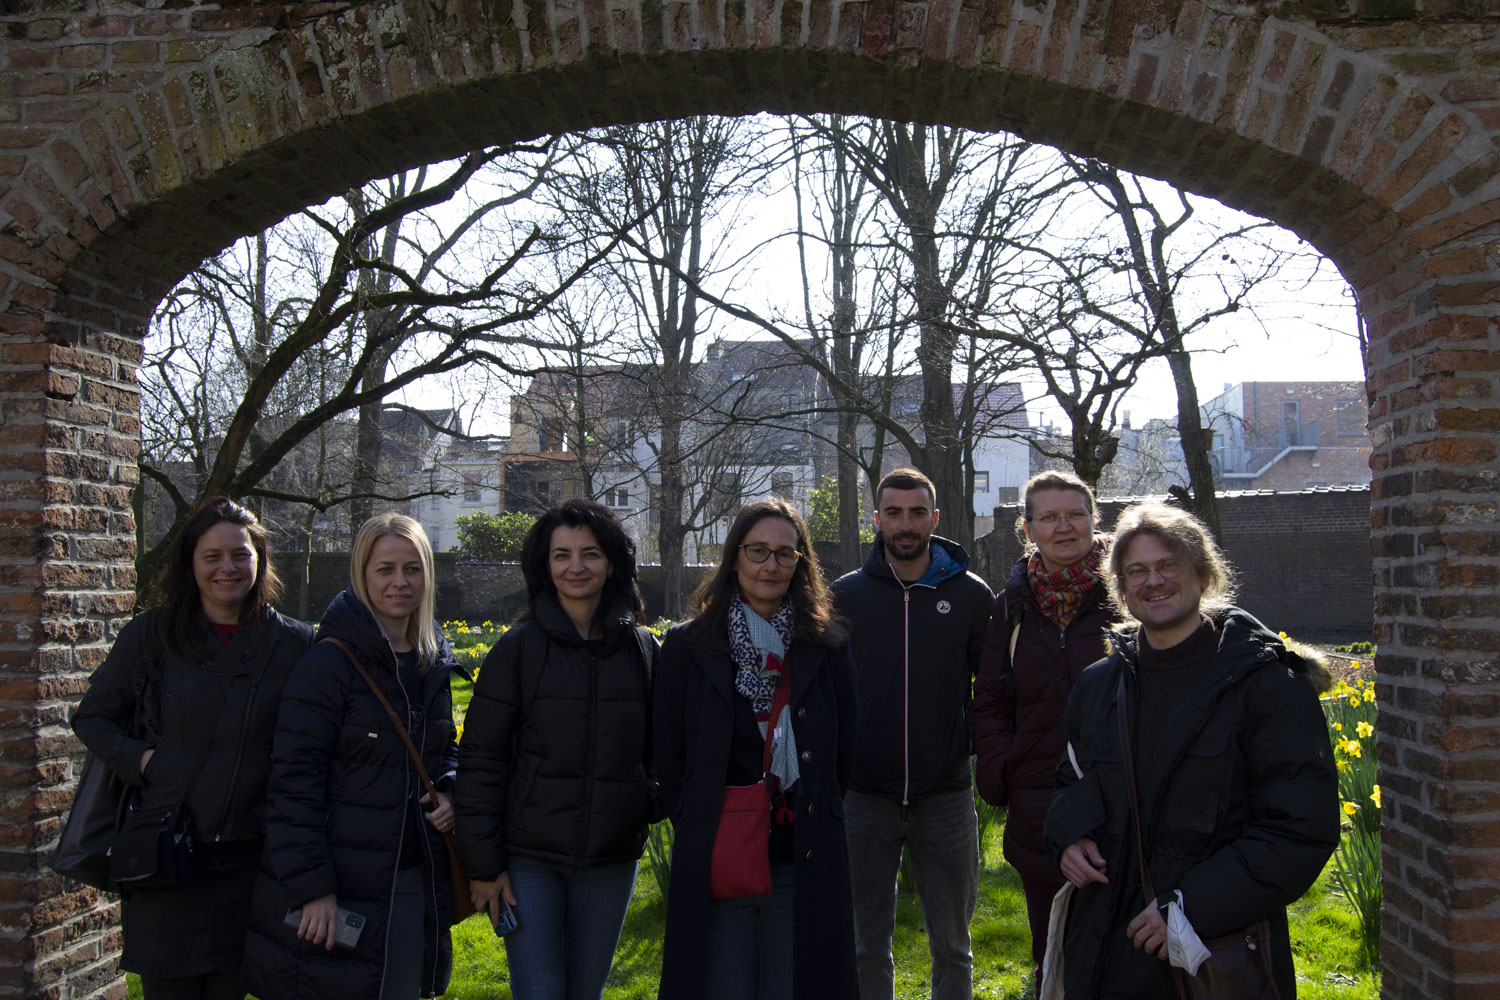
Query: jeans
[568, 922]
[750, 943]
[406, 937]
[941, 835]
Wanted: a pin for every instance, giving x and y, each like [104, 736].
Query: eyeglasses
[758, 553]
[1051, 520]
[1168, 569]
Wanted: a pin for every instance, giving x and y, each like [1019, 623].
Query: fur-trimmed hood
[1235, 625]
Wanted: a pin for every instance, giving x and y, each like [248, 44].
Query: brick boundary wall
[467, 591]
[1302, 556]
[136, 140]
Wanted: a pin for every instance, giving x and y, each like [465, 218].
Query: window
[616, 497]
[544, 491]
[1348, 417]
[981, 482]
[472, 486]
[781, 485]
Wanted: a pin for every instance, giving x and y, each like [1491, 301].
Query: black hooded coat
[1239, 805]
[341, 785]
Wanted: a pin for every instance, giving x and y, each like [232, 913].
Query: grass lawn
[1324, 941]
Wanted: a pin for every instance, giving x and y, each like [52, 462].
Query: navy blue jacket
[916, 648]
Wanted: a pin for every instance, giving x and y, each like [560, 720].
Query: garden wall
[467, 591]
[1303, 557]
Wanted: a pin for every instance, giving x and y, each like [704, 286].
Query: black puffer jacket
[1239, 807]
[555, 758]
[341, 786]
[214, 718]
[916, 647]
[1018, 709]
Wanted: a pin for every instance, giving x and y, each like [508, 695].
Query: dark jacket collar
[349, 619]
[550, 616]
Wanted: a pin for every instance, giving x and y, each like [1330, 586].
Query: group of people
[325, 788]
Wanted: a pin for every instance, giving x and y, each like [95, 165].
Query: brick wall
[1303, 558]
[467, 591]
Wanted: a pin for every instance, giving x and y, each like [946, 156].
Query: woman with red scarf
[1047, 626]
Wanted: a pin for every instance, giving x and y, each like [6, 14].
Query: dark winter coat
[555, 759]
[1239, 806]
[694, 724]
[916, 647]
[341, 786]
[212, 717]
[1018, 709]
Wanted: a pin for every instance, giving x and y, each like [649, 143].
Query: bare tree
[239, 377]
[668, 190]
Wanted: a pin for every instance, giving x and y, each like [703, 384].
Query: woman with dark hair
[557, 788]
[352, 829]
[182, 710]
[1048, 624]
[763, 636]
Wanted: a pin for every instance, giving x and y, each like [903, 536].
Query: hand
[146, 756]
[486, 896]
[1082, 863]
[1148, 931]
[441, 816]
[319, 919]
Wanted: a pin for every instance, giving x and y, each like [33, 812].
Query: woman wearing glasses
[762, 672]
[1047, 626]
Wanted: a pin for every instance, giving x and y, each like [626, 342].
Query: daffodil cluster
[1350, 710]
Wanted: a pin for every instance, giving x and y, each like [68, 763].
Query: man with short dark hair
[1235, 784]
[917, 622]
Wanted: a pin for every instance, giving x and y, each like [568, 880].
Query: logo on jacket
[943, 607]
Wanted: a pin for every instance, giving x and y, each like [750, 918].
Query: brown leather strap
[1127, 761]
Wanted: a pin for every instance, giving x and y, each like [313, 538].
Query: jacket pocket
[1197, 793]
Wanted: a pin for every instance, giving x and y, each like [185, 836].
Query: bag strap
[411, 748]
[1127, 760]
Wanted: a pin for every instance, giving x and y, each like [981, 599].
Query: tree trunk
[1194, 452]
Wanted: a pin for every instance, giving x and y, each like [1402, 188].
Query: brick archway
[135, 141]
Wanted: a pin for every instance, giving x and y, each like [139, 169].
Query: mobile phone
[346, 928]
[507, 921]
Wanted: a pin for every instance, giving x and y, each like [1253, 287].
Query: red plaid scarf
[1061, 594]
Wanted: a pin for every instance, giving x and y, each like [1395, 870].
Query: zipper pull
[1062, 638]
[906, 595]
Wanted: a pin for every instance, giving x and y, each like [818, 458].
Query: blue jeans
[406, 940]
[942, 837]
[750, 943]
[567, 925]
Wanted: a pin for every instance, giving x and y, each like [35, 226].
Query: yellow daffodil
[1338, 727]
[1341, 764]
[1353, 748]
[1364, 729]
[1354, 699]
[1375, 796]
[1350, 809]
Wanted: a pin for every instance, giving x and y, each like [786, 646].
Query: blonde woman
[350, 829]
